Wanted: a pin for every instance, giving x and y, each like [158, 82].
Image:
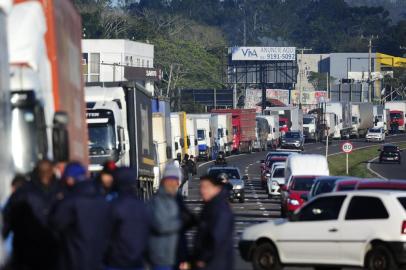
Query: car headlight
[238, 187]
[293, 202]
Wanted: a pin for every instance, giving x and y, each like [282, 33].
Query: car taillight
[403, 227]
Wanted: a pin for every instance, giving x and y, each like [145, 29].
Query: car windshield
[390, 148]
[200, 134]
[101, 136]
[374, 130]
[292, 135]
[396, 115]
[282, 123]
[308, 120]
[279, 173]
[232, 173]
[302, 183]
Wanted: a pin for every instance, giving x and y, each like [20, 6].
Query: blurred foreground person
[106, 180]
[130, 225]
[18, 182]
[26, 216]
[81, 219]
[166, 221]
[214, 240]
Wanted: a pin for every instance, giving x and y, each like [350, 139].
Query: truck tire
[265, 257]
[380, 258]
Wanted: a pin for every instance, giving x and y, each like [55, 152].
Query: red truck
[397, 113]
[244, 124]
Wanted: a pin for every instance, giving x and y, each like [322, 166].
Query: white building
[113, 60]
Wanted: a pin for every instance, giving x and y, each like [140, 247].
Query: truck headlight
[293, 202]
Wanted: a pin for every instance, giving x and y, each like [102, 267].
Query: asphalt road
[390, 170]
[257, 207]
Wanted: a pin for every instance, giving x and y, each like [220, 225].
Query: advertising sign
[263, 53]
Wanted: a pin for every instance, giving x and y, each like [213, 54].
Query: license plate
[390, 158]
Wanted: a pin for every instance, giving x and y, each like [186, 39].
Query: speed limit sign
[347, 147]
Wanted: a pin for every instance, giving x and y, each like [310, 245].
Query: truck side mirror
[210, 134]
[60, 137]
[274, 130]
[188, 142]
[226, 132]
[359, 120]
[182, 142]
[196, 143]
[168, 152]
[176, 146]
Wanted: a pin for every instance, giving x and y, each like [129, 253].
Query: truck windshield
[101, 136]
[220, 133]
[201, 134]
[396, 116]
[355, 120]
[308, 121]
[23, 138]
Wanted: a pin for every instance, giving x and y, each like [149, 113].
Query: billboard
[263, 53]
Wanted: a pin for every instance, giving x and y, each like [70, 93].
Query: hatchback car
[375, 135]
[292, 193]
[234, 178]
[365, 229]
[390, 153]
[293, 140]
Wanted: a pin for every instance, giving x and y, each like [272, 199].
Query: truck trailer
[274, 132]
[262, 130]
[243, 128]
[191, 128]
[178, 134]
[119, 118]
[397, 115]
[48, 118]
[362, 118]
[290, 117]
[342, 110]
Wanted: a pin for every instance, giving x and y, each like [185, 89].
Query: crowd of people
[61, 219]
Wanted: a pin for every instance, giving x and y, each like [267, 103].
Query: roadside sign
[347, 147]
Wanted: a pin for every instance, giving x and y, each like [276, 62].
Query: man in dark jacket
[130, 225]
[26, 216]
[214, 240]
[82, 222]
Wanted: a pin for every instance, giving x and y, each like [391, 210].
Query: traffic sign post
[347, 148]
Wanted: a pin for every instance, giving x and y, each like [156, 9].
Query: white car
[375, 134]
[358, 229]
[276, 180]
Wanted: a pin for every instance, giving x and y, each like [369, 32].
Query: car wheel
[380, 258]
[265, 257]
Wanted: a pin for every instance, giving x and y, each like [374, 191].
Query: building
[113, 60]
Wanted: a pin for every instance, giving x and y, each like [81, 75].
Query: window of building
[142, 62]
[148, 63]
[138, 62]
[365, 207]
[94, 74]
[85, 66]
[324, 208]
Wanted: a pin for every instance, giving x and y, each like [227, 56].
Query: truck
[178, 134]
[362, 118]
[310, 127]
[397, 114]
[191, 128]
[243, 128]
[262, 130]
[274, 133]
[320, 124]
[342, 110]
[222, 125]
[161, 134]
[205, 135]
[119, 119]
[290, 117]
[6, 162]
[48, 114]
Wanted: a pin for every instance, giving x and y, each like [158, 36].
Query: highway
[390, 170]
[258, 208]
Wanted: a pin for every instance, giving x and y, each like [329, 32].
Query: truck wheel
[266, 257]
[380, 258]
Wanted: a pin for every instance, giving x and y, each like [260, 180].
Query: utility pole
[301, 73]
[235, 89]
[370, 66]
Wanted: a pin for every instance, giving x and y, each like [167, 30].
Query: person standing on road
[187, 175]
[166, 221]
[130, 225]
[214, 239]
[26, 216]
[81, 219]
[105, 180]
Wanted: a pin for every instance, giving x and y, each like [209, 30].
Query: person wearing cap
[166, 221]
[130, 225]
[33, 246]
[214, 239]
[81, 220]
